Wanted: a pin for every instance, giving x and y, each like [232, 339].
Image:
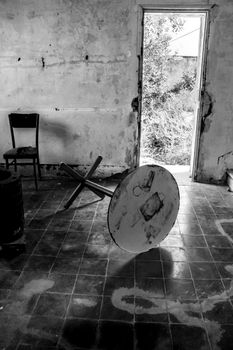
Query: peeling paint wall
[216, 141]
[215, 152]
[75, 62]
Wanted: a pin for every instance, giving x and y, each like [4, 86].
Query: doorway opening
[172, 67]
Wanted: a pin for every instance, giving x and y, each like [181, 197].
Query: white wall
[85, 102]
[74, 63]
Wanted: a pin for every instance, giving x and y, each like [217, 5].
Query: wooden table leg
[82, 180]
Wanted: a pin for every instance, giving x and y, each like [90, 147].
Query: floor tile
[185, 311]
[172, 241]
[220, 311]
[204, 270]
[58, 224]
[198, 254]
[63, 283]
[14, 262]
[117, 253]
[217, 241]
[183, 338]
[114, 283]
[121, 268]
[99, 238]
[79, 333]
[190, 228]
[10, 332]
[91, 285]
[109, 332]
[152, 254]
[173, 254]
[222, 254]
[8, 278]
[43, 331]
[39, 263]
[148, 269]
[180, 289]
[47, 246]
[80, 225]
[96, 251]
[84, 213]
[152, 336]
[194, 241]
[176, 269]
[151, 310]
[84, 306]
[68, 265]
[208, 288]
[72, 280]
[71, 248]
[225, 341]
[53, 304]
[152, 287]
[92, 266]
[111, 311]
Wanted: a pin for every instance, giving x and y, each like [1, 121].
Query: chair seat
[21, 153]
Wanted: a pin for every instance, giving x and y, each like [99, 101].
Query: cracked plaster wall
[216, 141]
[75, 62]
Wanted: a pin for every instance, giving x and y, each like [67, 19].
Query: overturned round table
[143, 207]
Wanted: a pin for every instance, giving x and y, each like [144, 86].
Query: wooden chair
[24, 121]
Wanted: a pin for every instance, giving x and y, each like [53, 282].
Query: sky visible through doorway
[186, 41]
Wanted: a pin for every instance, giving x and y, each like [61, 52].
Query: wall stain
[224, 156]
[131, 118]
[128, 157]
[75, 137]
[135, 104]
[214, 12]
[10, 16]
[122, 134]
[91, 38]
[208, 103]
[43, 62]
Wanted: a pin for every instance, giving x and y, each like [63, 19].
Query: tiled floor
[73, 288]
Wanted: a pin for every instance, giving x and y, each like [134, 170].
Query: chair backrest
[24, 120]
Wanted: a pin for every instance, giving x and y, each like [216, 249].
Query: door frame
[205, 10]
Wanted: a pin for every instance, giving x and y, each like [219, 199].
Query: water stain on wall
[207, 102]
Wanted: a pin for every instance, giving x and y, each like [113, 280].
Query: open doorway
[172, 69]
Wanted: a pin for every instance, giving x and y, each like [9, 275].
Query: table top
[143, 208]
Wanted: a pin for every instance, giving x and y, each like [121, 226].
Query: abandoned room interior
[102, 247]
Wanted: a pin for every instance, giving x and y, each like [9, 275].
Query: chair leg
[34, 166]
[38, 167]
[7, 164]
[15, 165]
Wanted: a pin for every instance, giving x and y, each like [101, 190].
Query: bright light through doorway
[172, 68]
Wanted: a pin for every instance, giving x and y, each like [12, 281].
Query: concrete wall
[216, 141]
[75, 62]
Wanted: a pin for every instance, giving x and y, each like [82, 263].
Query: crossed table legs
[143, 208]
[84, 181]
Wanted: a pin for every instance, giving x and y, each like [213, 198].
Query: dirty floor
[73, 288]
